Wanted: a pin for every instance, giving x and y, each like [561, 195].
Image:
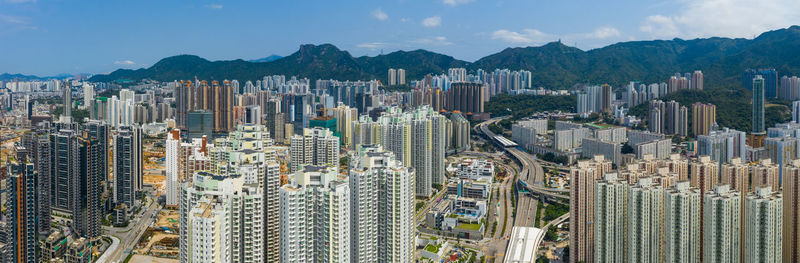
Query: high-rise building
[722, 225]
[221, 220]
[23, 214]
[796, 112]
[656, 119]
[67, 94]
[392, 77]
[315, 146]
[703, 117]
[770, 77]
[758, 104]
[697, 80]
[315, 216]
[610, 204]
[704, 173]
[381, 204]
[682, 220]
[645, 221]
[200, 123]
[460, 135]
[763, 226]
[416, 137]
[249, 152]
[401, 76]
[127, 165]
[722, 145]
[172, 167]
[582, 195]
[345, 116]
[765, 173]
[465, 97]
[683, 122]
[791, 213]
[40, 152]
[736, 175]
[252, 114]
[222, 106]
[87, 187]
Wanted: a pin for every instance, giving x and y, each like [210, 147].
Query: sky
[48, 37]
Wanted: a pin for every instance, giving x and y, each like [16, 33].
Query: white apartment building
[763, 226]
[221, 220]
[317, 146]
[682, 223]
[315, 216]
[382, 207]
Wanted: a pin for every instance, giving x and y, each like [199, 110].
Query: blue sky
[45, 37]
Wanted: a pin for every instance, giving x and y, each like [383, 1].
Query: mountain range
[553, 65]
[20, 77]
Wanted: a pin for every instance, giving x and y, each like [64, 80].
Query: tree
[626, 148]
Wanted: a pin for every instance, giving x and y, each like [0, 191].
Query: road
[130, 235]
[532, 175]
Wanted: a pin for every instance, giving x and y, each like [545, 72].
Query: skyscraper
[697, 80]
[722, 225]
[763, 226]
[758, 104]
[172, 166]
[315, 217]
[610, 233]
[401, 76]
[382, 198]
[392, 77]
[645, 221]
[40, 156]
[582, 195]
[23, 214]
[315, 146]
[67, 94]
[791, 213]
[682, 220]
[221, 220]
[770, 77]
[736, 175]
[703, 117]
[87, 188]
[127, 165]
[466, 97]
[416, 137]
[722, 145]
[796, 111]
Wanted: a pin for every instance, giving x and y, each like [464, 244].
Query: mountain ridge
[553, 65]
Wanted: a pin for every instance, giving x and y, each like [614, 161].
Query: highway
[131, 234]
[532, 175]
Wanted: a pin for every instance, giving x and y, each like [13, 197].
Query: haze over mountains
[553, 65]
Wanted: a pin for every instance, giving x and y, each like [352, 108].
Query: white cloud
[214, 6]
[660, 26]
[725, 18]
[455, 2]
[371, 45]
[527, 36]
[432, 41]
[124, 63]
[404, 19]
[379, 14]
[433, 21]
[604, 32]
[10, 23]
[16, 20]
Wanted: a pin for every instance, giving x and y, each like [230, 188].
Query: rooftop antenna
[381, 51]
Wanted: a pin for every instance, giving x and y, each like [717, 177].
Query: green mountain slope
[553, 65]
